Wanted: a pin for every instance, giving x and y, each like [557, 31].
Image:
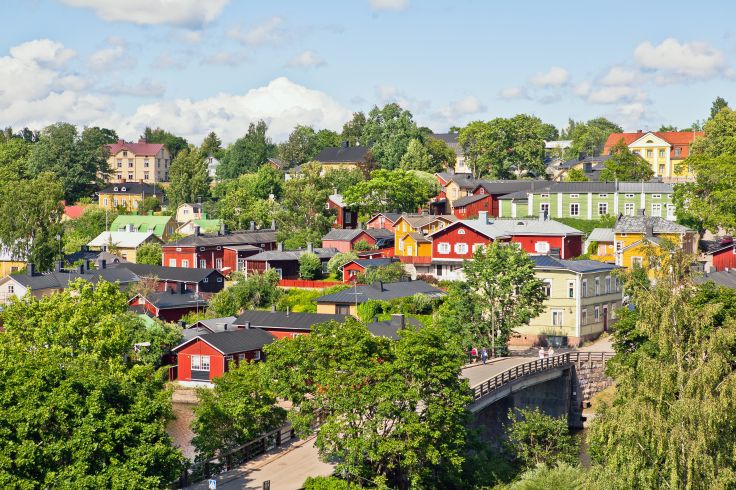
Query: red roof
[680, 138]
[140, 148]
[74, 212]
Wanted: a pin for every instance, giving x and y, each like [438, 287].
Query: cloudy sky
[192, 66]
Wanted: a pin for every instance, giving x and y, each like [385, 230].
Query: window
[636, 152]
[184, 263]
[541, 247]
[241, 357]
[574, 196]
[661, 153]
[544, 196]
[596, 314]
[348, 218]
[218, 263]
[115, 201]
[678, 151]
[125, 201]
[145, 175]
[325, 269]
[574, 209]
[461, 248]
[120, 176]
[597, 286]
[11, 289]
[650, 153]
[130, 176]
[629, 196]
[584, 316]
[544, 208]
[104, 202]
[608, 284]
[145, 163]
[570, 289]
[636, 261]
[120, 163]
[122, 189]
[257, 355]
[202, 264]
[219, 279]
[619, 246]
[656, 209]
[603, 195]
[172, 262]
[200, 363]
[547, 287]
[342, 309]
[130, 163]
[443, 248]
[602, 208]
[557, 318]
[461, 231]
[125, 153]
[656, 196]
[585, 288]
[629, 209]
[670, 211]
[661, 168]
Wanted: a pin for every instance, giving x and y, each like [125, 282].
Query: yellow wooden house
[600, 245]
[410, 233]
[636, 237]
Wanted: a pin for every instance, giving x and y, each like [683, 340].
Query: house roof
[390, 328]
[196, 207]
[581, 266]
[712, 246]
[277, 162]
[671, 137]
[418, 221]
[341, 154]
[322, 253]
[392, 217]
[285, 320]
[156, 224]
[464, 181]
[577, 161]
[122, 239]
[601, 235]
[74, 212]
[722, 278]
[503, 228]
[167, 299]
[234, 341]
[555, 144]
[141, 148]
[464, 201]
[337, 199]
[215, 324]
[174, 274]
[365, 263]
[418, 237]
[500, 187]
[594, 187]
[234, 238]
[60, 280]
[128, 188]
[381, 291]
[639, 223]
[449, 138]
[339, 234]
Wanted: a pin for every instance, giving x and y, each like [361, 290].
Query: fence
[301, 283]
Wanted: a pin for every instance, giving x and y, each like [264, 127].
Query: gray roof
[285, 320]
[60, 280]
[385, 291]
[601, 235]
[390, 328]
[577, 161]
[215, 324]
[373, 262]
[349, 234]
[595, 187]
[166, 299]
[464, 201]
[712, 246]
[234, 238]
[392, 217]
[175, 274]
[322, 253]
[340, 154]
[582, 266]
[638, 224]
[132, 188]
[497, 187]
[722, 278]
[506, 227]
[464, 181]
[234, 341]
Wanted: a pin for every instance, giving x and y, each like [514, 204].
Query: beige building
[138, 162]
[582, 298]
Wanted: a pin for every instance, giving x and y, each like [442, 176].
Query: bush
[393, 272]
[362, 246]
[302, 300]
[149, 253]
[310, 267]
[536, 438]
[326, 483]
[561, 477]
[340, 260]
[257, 291]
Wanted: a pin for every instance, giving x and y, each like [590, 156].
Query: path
[479, 373]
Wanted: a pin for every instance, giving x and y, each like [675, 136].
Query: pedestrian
[484, 355]
[474, 353]
[541, 352]
[550, 352]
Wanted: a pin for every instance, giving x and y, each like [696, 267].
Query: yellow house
[664, 150]
[138, 162]
[128, 195]
[600, 245]
[8, 263]
[410, 233]
[342, 157]
[635, 237]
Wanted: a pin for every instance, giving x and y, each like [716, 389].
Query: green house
[161, 226]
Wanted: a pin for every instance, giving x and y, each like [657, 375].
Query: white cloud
[187, 13]
[110, 59]
[555, 77]
[615, 94]
[144, 88]
[467, 105]
[582, 89]
[167, 60]
[43, 52]
[618, 75]
[389, 4]
[513, 93]
[389, 93]
[226, 58]
[190, 36]
[694, 59]
[306, 59]
[268, 32]
[629, 115]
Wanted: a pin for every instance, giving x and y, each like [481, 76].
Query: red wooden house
[719, 254]
[284, 324]
[352, 269]
[346, 217]
[385, 221]
[468, 207]
[345, 240]
[169, 306]
[205, 282]
[209, 356]
[496, 189]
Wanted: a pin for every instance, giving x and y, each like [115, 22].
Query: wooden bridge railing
[537, 366]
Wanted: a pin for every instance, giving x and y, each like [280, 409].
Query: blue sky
[192, 66]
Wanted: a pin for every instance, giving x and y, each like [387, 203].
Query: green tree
[255, 291]
[388, 131]
[625, 166]
[667, 127]
[502, 280]
[299, 148]
[560, 477]
[670, 423]
[460, 313]
[537, 438]
[352, 131]
[720, 136]
[248, 153]
[576, 175]
[240, 408]
[395, 190]
[394, 410]
[80, 231]
[240, 202]
[173, 143]
[13, 159]
[339, 260]
[211, 145]
[393, 272]
[417, 157]
[589, 137]
[440, 153]
[149, 253]
[718, 104]
[362, 246]
[339, 180]
[78, 161]
[303, 218]
[310, 267]
[189, 181]
[30, 219]
[79, 413]
[150, 204]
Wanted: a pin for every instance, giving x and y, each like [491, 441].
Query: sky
[194, 66]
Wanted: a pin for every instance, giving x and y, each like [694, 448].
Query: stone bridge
[560, 386]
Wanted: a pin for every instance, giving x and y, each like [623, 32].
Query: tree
[149, 205]
[538, 439]
[670, 423]
[77, 161]
[255, 291]
[304, 143]
[667, 127]
[394, 410]
[240, 201]
[240, 408]
[718, 104]
[13, 159]
[352, 131]
[720, 136]
[395, 190]
[190, 181]
[81, 231]
[362, 246]
[339, 180]
[576, 175]
[460, 314]
[388, 131]
[248, 153]
[589, 137]
[440, 153]
[417, 157]
[173, 143]
[79, 412]
[211, 145]
[623, 165]
[501, 278]
[30, 219]
[310, 267]
[560, 477]
[393, 272]
[339, 260]
[303, 217]
[149, 253]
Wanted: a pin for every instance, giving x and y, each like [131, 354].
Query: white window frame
[559, 315]
[547, 286]
[596, 314]
[444, 248]
[658, 212]
[585, 288]
[172, 262]
[571, 289]
[629, 209]
[656, 196]
[198, 363]
[597, 286]
[541, 247]
[184, 263]
[574, 196]
[461, 231]
[604, 207]
[584, 316]
[218, 263]
[202, 263]
[577, 209]
[256, 355]
[544, 196]
[629, 196]
[671, 208]
[461, 248]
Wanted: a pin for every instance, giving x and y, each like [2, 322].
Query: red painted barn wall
[184, 360]
[363, 236]
[176, 314]
[573, 244]
[454, 235]
[723, 259]
[573, 247]
[341, 245]
[350, 271]
[284, 334]
[185, 253]
[471, 210]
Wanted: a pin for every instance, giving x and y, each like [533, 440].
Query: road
[478, 374]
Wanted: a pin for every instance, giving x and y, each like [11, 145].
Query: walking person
[541, 352]
[484, 355]
[550, 351]
[474, 353]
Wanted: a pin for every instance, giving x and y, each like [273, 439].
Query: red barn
[345, 240]
[346, 217]
[284, 324]
[169, 306]
[210, 355]
[468, 207]
[719, 254]
[352, 269]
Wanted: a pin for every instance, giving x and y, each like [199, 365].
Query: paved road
[478, 374]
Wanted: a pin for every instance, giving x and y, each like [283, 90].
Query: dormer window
[122, 189]
[115, 189]
[125, 153]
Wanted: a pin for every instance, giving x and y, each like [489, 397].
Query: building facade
[128, 195]
[138, 162]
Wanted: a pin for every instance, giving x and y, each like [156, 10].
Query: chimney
[378, 285]
[223, 228]
[543, 215]
[397, 320]
[30, 269]
[639, 131]
[483, 216]
[587, 166]
[196, 230]
[103, 264]
[252, 226]
[246, 325]
[582, 155]
[287, 311]
[649, 228]
[310, 248]
[280, 246]
[59, 265]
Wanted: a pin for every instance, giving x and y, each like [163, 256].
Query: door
[605, 319]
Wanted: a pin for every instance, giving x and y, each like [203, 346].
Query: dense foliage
[538, 439]
[625, 166]
[149, 253]
[255, 291]
[310, 266]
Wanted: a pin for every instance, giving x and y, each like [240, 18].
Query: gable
[649, 139]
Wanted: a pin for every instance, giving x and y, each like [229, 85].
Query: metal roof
[166, 299]
[156, 224]
[322, 253]
[381, 291]
[234, 238]
[122, 239]
[234, 341]
[285, 320]
[639, 224]
[601, 235]
[464, 201]
[341, 154]
[722, 278]
[581, 266]
[175, 274]
[60, 280]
